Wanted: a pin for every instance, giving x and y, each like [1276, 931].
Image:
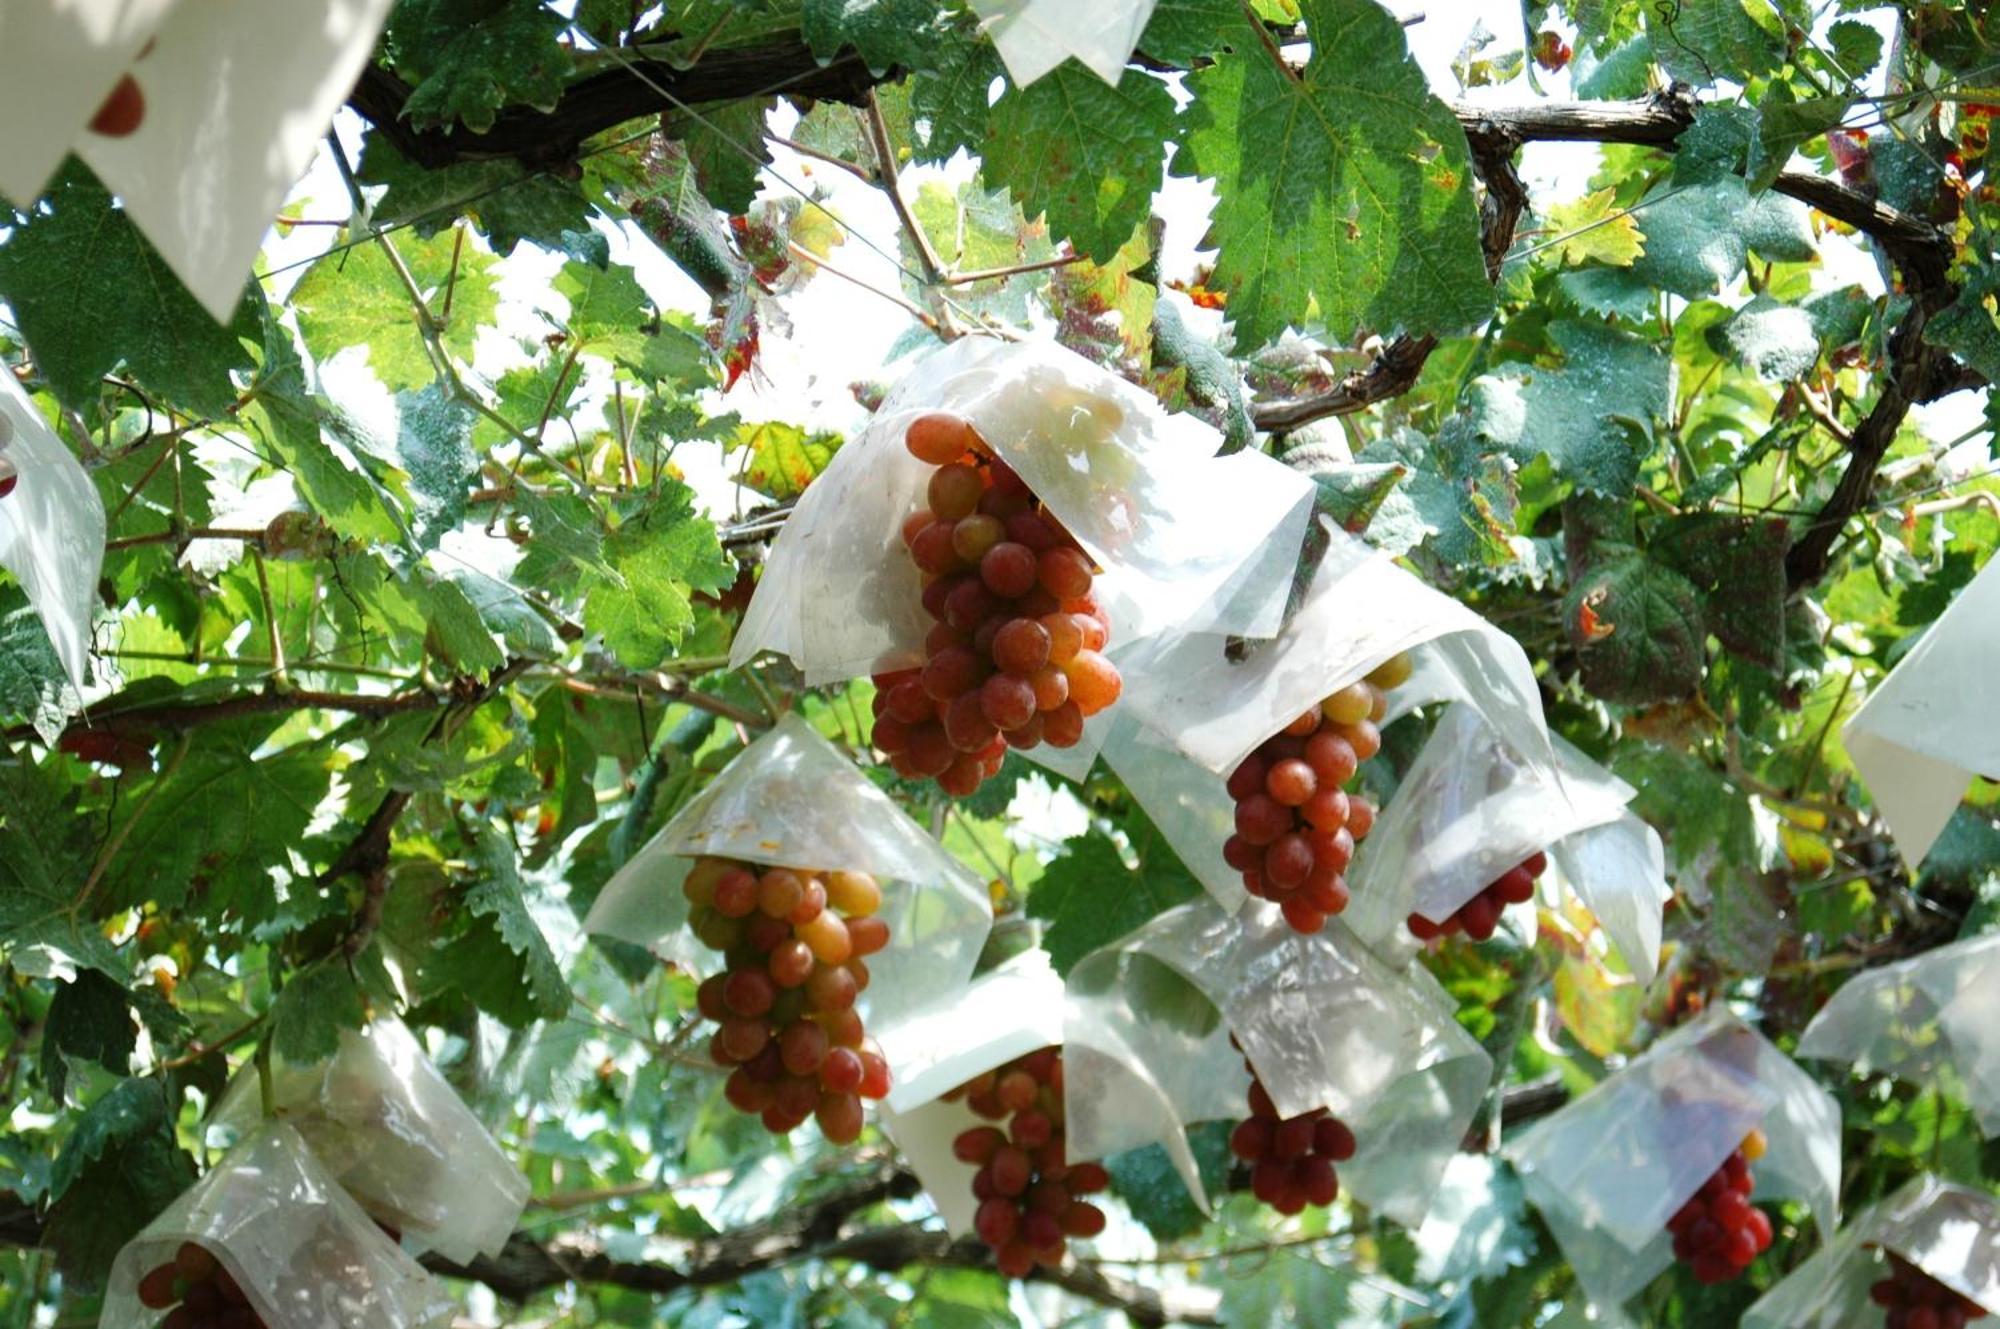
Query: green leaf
[1084, 153]
[661, 553]
[1857, 46]
[1786, 124]
[119, 1168]
[1738, 565]
[45, 854]
[33, 684]
[1089, 898]
[1593, 417]
[1716, 145]
[456, 631]
[950, 101]
[1151, 1187]
[1701, 41]
[354, 298]
[1347, 188]
[312, 1010]
[1967, 325]
[507, 201]
[88, 292]
[1637, 629]
[885, 32]
[726, 148]
[1287, 1289]
[434, 447]
[1771, 340]
[478, 56]
[502, 962]
[88, 1020]
[784, 458]
[1455, 498]
[1612, 291]
[216, 827]
[1181, 32]
[1698, 236]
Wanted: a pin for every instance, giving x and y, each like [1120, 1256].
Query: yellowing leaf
[784, 458]
[1592, 229]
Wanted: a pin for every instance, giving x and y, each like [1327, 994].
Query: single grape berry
[122, 112]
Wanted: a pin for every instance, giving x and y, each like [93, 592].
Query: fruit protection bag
[1326, 1024]
[51, 527]
[1928, 728]
[1190, 715]
[1015, 1009]
[1933, 1015]
[1188, 541]
[297, 1245]
[382, 1120]
[1610, 1169]
[57, 64]
[238, 96]
[1469, 809]
[791, 799]
[1950, 1232]
[1034, 36]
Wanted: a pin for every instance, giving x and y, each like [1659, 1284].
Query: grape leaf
[1594, 229]
[1698, 236]
[218, 824]
[90, 1021]
[1738, 565]
[1082, 152]
[784, 458]
[312, 1010]
[434, 447]
[287, 415]
[1770, 339]
[119, 1168]
[508, 202]
[1967, 325]
[1347, 187]
[502, 961]
[1181, 32]
[1290, 1290]
[950, 101]
[661, 552]
[726, 148]
[1089, 898]
[1856, 46]
[477, 56]
[88, 292]
[354, 298]
[33, 684]
[1455, 498]
[1700, 41]
[45, 851]
[1151, 1187]
[885, 32]
[1584, 416]
[1637, 629]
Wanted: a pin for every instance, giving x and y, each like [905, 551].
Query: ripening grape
[1718, 1232]
[1291, 1159]
[1295, 825]
[1029, 1194]
[1912, 1299]
[198, 1292]
[122, 112]
[1478, 917]
[784, 1005]
[1016, 656]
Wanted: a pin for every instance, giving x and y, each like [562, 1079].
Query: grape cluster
[1912, 1299]
[1291, 1159]
[1028, 1191]
[1015, 657]
[793, 943]
[1477, 917]
[1295, 825]
[197, 1292]
[1718, 1231]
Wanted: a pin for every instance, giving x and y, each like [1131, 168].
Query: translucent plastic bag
[1918, 1017]
[1360, 610]
[297, 1245]
[1034, 36]
[1325, 1023]
[51, 527]
[57, 64]
[792, 799]
[204, 172]
[1138, 488]
[1010, 1012]
[1469, 809]
[1949, 1232]
[1928, 728]
[399, 1140]
[1610, 1169]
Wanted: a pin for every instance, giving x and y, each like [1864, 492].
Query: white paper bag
[296, 1244]
[1325, 1023]
[1008, 1013]
[1951, 1233]
[1469, 809]
[401, 1142]
[1610, 1169]
[58, 61]
[51, 528]
[239, 94]
[1932, 1014]
[792, 799]
[1928, 728]
[1034, 36]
